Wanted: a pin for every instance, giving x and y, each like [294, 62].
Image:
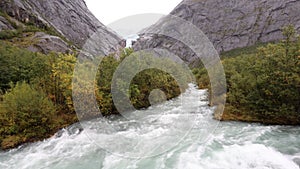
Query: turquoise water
[179, 134]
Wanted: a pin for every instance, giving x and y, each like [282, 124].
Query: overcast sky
[108, 11]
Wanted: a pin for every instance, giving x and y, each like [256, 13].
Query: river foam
[168, 138]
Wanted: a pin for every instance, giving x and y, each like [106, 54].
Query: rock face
[45, 43]
[297, 161]
[4, 24]
[231, 24]
[70, 18]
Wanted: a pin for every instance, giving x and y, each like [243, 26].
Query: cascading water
[169, 136]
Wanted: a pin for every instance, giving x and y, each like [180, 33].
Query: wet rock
[70, 18]
[4, 24]
[228, 24]
[47, 43]
[297, 161]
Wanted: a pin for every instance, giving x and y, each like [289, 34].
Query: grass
[242, 51]
[21, 28]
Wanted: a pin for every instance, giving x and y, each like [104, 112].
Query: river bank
[231, 145]
[249, 118]
[262, 86]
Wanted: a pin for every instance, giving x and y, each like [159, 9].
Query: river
[164, 137]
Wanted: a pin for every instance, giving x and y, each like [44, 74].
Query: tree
[27, 111]
[61, 78]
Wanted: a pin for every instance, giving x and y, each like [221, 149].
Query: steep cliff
[228, 24]
[71, 19]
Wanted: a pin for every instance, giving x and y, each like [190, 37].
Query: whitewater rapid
[179, 134]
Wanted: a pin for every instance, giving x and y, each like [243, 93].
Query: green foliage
[9, 34]
[19, 65]
[142, 83]
[149, 80]
[106, 71]
[27, 112]
[243, 51]
[61, 80]
[20, 31]
[277, 74]
[24, 27]
[52, 73]
[202, 77]
[49, 76]
[8, 18]
[264, 86]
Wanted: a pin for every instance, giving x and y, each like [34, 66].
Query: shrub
[141, 85]
[9, 34]
[263, 85]
[26, 111]
[20, 65]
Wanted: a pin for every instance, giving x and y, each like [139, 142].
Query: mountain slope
[69, 18]
[229, 24]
